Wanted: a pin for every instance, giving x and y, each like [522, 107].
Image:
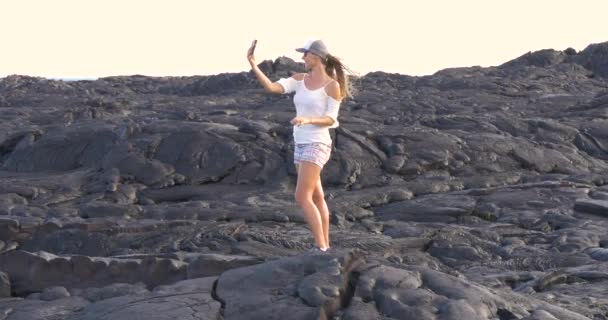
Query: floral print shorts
[315, 152]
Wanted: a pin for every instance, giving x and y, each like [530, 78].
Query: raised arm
[268, 85]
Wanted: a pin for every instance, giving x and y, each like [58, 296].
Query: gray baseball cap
[315, 46]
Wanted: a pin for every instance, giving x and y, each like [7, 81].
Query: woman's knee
[318, 197]
[324, 215]
[302, 197]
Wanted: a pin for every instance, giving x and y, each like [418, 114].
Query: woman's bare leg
[318, 197]
[308, 175]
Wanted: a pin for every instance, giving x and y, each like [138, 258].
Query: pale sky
[95, 38]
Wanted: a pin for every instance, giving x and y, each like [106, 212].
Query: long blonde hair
[335, 69]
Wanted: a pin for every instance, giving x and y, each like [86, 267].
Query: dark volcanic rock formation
[472, 193]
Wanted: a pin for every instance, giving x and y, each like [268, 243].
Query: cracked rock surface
[472, 193]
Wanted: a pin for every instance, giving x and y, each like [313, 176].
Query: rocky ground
[472, 193]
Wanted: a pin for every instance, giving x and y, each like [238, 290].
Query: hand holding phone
[252, 48]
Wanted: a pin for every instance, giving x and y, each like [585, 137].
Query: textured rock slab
[309, 286]
[5, 285]
[433, 208]
[416, 293]
[36, 271]
[211, 264]
[111, 291]
[32, 309]
[188, 299]
[598, 207]
[54, 293]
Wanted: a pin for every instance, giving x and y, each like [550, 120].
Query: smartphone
[252, 48]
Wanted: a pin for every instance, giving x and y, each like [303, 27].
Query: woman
[319, 92]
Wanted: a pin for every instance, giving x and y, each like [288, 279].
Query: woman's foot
[317, 249]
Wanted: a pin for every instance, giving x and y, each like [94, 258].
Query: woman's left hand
[300, 120]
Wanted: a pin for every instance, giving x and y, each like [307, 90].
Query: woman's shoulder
[332, 89]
